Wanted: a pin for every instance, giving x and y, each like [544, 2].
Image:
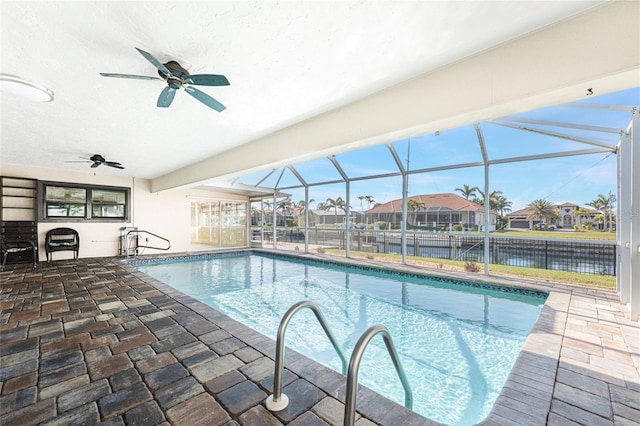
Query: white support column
[403, 225]
[261, 222]
[487, 196]
[345, 178]
[405, 194]
[634, 297]
[306, 218]
[487, 211]
[623, 228]
[347, 225]
[275, 221]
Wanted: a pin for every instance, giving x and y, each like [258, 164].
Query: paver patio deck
[95, 341]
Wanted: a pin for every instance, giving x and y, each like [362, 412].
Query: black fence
[587, 257]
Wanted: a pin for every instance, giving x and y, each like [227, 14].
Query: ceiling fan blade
[155, 62]
[166, 97]
[138, 77]
[209, 80]
[114, 165]
[94, 165]
[204, 98]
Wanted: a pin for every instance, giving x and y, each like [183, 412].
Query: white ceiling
[286, 61]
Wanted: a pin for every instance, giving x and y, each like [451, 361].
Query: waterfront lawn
[600, 281]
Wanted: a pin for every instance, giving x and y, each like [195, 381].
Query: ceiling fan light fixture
[25, 89]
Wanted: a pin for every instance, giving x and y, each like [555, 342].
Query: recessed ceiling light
[23, 88]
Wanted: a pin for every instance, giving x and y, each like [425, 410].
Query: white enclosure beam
[275, 220]
[347, 210]
[487, 196]
[553, 134]
[623, 222]
[561, 125]
[403, 225]
[634, 296]
[306, 218]
[602, 107]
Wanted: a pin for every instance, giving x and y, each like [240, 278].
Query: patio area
[95, 341]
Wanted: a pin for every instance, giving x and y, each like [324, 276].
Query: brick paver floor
[94, 341]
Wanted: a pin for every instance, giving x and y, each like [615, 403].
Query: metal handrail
[278, 401]
[153, 235]
[354, 365]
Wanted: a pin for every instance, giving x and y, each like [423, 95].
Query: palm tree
[285, 206]
[502, 205]
[301, 206]
[367, 199]
[604, 203]
[467, 191]
[266, 207]
[336, 204]
[414, 205]
[342, 205]
[596, 204]
[577, 214]
[361, 198]
[493, 195]
[541, 210]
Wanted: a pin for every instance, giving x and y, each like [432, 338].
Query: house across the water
[442, 211]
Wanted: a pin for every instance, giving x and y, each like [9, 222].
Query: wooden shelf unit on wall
[19, 201]
[19, 215]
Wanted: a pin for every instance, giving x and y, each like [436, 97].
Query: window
[66, 202]
[72, 202]
[108, 203]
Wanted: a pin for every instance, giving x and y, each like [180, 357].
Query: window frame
[88, 204]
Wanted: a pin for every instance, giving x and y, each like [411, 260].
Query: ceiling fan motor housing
[178, 76]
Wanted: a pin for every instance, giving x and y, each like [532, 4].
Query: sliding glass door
[216, 224]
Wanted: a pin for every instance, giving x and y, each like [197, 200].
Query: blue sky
[576, 179]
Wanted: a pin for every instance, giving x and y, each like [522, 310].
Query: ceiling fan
[98, 160]
[176, 77]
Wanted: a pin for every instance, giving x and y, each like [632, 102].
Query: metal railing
[354, 365]
[570, 255]
[279, 401]
[131, 241]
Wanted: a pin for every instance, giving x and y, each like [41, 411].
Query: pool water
[457, 343]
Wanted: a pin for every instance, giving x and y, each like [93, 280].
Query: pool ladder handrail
[279, 401]
[136, 235]
[354, 366]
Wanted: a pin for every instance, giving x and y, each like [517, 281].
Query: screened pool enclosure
[325, 202]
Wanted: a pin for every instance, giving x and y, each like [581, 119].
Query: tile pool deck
[95, 341]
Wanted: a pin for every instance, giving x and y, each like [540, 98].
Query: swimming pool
[457, 341]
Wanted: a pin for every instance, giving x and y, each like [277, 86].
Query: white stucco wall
[166, 214]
